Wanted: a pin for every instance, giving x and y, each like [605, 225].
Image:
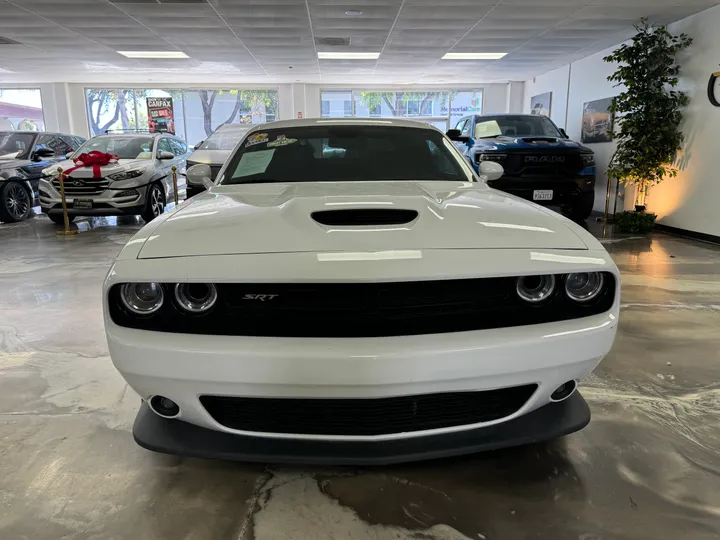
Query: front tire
[581, 208]
[57, 219]
[155, 203]
[15, 202]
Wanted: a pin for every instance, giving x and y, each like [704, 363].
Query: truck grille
[366, 417]
[90, 186]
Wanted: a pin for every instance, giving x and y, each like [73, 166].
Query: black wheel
[581, 208]
[155, 203]
[57, 219]
[15, 202]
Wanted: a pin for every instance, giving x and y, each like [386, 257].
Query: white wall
[689, 201]
[555, 81]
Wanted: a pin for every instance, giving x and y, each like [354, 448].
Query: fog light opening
[164, 407]
[563, 391]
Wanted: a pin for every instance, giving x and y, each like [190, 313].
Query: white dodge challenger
[350, 292]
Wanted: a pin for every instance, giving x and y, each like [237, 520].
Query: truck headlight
[587, 159]
[492, 157]
[126, 175]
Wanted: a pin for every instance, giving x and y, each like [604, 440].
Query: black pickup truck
[541, 164]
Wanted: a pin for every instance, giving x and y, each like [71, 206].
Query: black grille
[542, 163]
[362, 309]
[84, 186]
[364, 216]
[366, 416]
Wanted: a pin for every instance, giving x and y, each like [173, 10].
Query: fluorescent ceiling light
[348, 55]
[473, 56]
[154, 54]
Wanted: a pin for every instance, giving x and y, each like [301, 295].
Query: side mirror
[199, 176]
[166, 155]
[455, 135]
[490, 170]
[198, 145]
[43, 153]
[564, 133]
[70, 154]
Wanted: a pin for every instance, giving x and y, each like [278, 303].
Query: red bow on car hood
[94, 159]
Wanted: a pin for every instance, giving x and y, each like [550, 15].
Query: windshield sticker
[281, 140]
[256, 138]
[255, 162]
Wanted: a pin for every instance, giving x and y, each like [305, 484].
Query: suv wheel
[155, 203]
[15, 202]
[57, 219]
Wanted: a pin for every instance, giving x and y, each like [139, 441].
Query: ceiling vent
[332, 41]
[8, 41]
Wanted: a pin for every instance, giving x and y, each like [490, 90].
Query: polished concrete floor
[648, 466]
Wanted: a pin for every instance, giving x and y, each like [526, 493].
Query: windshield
[223, 139]
[13, 145]
[344, 154]
[515, 126]
[122, 147]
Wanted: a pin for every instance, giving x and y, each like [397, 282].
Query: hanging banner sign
[161, 118]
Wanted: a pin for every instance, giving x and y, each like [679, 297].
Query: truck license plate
[82, 204]
[542, 195]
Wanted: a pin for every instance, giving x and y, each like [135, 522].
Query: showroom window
[21, 109]
[441, 108]
[195, 114]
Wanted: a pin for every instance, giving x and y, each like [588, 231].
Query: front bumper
[566, 191]
[181, 438]
[106, 203]
[184, 367]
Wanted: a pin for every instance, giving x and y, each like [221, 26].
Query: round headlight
[585, 286]
[535, 289]
[142, 298]
[196, 297]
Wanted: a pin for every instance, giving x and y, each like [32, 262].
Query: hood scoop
[364, 217]
[539, 139]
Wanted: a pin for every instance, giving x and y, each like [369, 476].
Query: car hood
[209, 157]
[87, 172]
[529, 143]
[277, 218]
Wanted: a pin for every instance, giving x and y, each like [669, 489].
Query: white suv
[140, 183]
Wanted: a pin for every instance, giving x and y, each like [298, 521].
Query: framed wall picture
[597, 121]
[541, 104]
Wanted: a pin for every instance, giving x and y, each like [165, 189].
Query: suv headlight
[126, 175]
[587, 159]
[491, 157]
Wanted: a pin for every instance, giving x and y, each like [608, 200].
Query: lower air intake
[366, 417]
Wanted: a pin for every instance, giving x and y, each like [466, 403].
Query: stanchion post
[175, 188]
[66, 231]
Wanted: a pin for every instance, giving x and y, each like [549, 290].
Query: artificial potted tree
[649, 113]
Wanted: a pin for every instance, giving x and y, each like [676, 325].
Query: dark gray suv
[23, 156]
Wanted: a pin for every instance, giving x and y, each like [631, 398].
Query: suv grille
[89, 186]
[366, 417]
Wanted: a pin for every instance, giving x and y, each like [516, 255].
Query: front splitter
[180, 438]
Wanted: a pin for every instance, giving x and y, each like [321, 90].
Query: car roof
[135, 134]
[509, 114]
[235, 127]
[309, 122]
[26, 132]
